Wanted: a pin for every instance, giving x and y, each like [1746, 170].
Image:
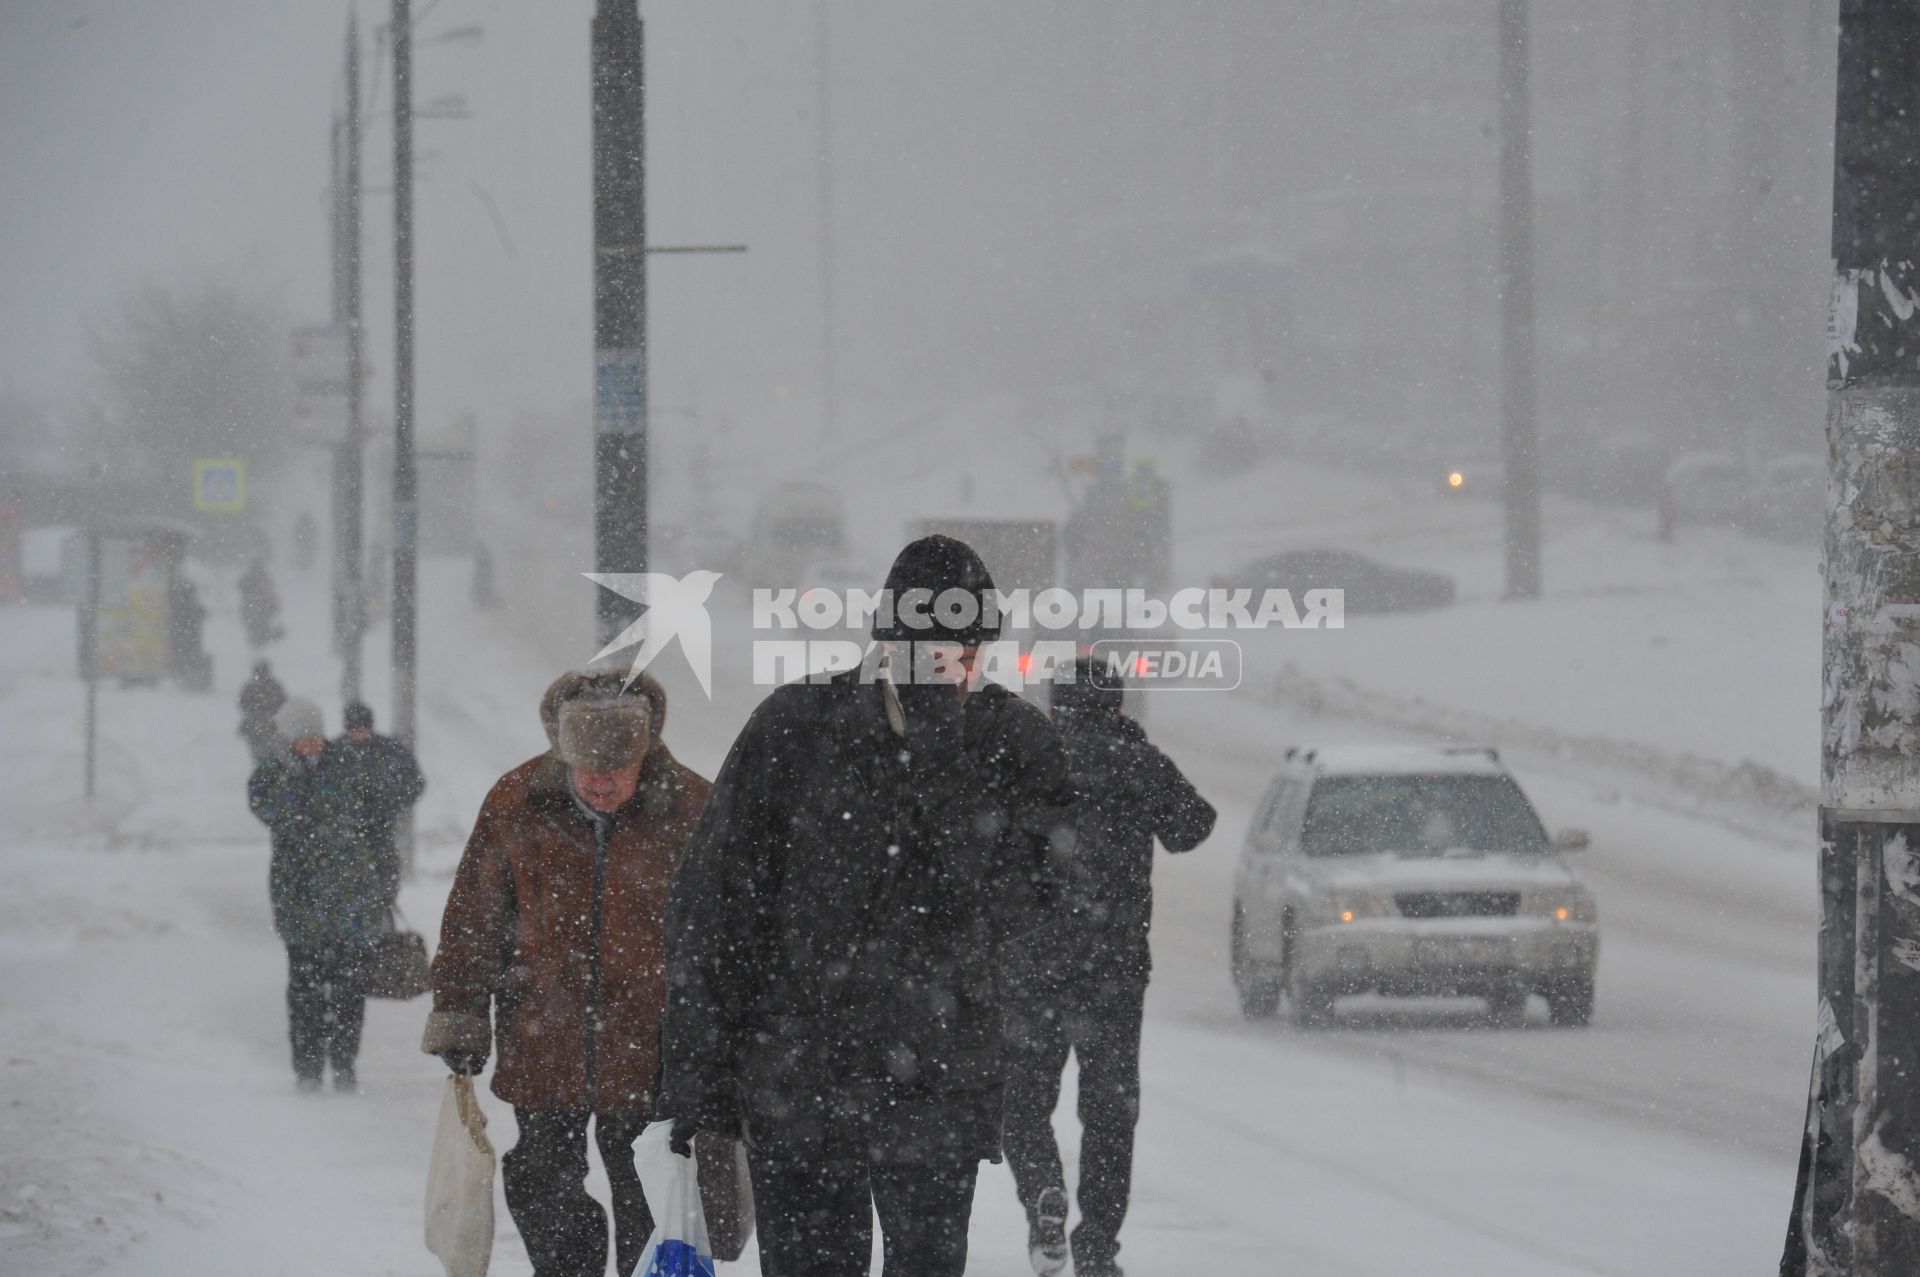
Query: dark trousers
[545, 1176]
[326, 1007]
[1102, 1028]
[817, 1220]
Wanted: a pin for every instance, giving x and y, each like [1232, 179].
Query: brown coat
[518, 937]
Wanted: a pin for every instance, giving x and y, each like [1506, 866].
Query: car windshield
[1355, 815]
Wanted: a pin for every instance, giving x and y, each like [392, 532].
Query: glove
[680, 1139]
[464, 1063]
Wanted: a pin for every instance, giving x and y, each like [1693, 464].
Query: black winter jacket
[835, 931]
[1127, 793]
[328, 886]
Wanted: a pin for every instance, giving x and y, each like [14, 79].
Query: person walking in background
[331, 893]
[261, 697]
[191, 666]
[259, 605]
[835, 931]
[486, 592]
[380, 779]
[1080, 985]
[551, 950]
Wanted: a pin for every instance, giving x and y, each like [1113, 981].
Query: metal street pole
[1520, 431]
[92, 657]
[349, 608]
[823, 108]
[1857, 1205]
[405, 504]
[619, 300]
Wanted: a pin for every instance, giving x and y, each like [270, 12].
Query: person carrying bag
[551, 950]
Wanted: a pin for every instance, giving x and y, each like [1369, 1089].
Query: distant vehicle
[1704, 487]
[1790, 497]
[795, 525]
[1370, 585]
[1410, 871]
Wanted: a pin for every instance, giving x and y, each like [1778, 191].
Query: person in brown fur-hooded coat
[551, 951]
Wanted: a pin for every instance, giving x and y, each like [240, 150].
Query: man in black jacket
[1080, 985]
[382, 781]
[835, 932]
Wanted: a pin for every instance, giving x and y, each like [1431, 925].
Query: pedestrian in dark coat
[835, 936]
[259, 605]
[553, 932]
[381, 779]
[1080, 985]
[331, 893]
[261, 697]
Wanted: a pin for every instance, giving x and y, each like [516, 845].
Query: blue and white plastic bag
[679, 1245]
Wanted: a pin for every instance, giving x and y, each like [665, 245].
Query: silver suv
[1410, 871]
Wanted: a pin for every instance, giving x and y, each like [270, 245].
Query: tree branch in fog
[189, 366]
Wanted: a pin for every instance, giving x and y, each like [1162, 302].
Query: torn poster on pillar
[1827, 1037]
[1870, 687]
[1903, 869]
[1843, 315]
[1886, 1174]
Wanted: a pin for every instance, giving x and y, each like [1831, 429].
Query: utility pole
[619, 300]
[349, 607]
[1519, 428]
[405, 480]
[829, 335]
[1857, 1203]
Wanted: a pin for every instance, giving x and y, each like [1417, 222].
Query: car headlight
[1350, 906]
[1569, 904]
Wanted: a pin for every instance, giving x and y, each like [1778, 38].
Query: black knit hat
[935, 565]
[358, 715]
[1094, 687]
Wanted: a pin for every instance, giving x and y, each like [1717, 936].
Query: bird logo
[676, 607]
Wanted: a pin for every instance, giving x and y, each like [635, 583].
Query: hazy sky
[982, 154]
[142, 140]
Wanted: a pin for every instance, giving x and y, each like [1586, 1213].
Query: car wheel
[1570, 1003]
[1507, 1006]
[1259, 992]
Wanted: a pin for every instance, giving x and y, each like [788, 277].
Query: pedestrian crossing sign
[220, 484]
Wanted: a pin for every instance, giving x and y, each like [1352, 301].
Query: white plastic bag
[679, 1245]
[460, 1184]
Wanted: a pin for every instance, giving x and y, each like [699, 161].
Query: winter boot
[1047, 1233]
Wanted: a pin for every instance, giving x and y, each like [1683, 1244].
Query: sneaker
[1047, 1234]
